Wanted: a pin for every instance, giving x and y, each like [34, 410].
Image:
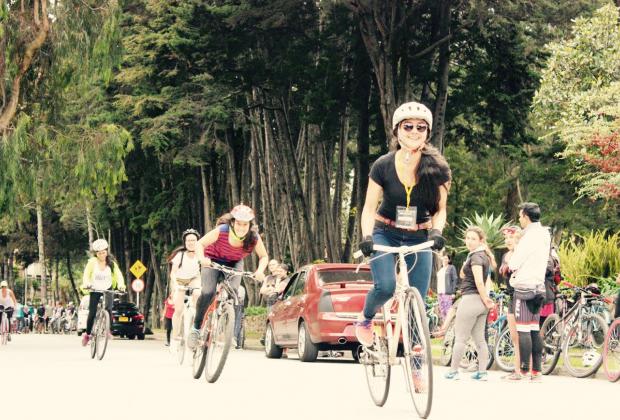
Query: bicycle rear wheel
[378, 371]
[504, 351]
[551, 337]
[447, 345]
[583, 347]
[611, 351]
[102, 334]
[418, 358]
[220, 342]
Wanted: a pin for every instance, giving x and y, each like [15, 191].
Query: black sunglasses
[420, 128]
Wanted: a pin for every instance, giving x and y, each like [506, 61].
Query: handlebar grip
[358, 254]
[567, 284]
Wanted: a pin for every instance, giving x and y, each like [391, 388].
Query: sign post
[137, 269]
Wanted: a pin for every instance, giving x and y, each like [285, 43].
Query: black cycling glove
[366, 246]
[435, 236]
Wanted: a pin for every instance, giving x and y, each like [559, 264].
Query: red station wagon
[317, 309]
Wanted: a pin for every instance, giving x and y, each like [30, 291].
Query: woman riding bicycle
[101, 273]
[7, 302]
[412, 183]
[185, 272]
[228, 244]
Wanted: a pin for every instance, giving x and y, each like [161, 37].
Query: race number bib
[406, 218]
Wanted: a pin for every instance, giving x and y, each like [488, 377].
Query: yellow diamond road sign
[137, 269]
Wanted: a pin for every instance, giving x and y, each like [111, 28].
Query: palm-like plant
[491, 225]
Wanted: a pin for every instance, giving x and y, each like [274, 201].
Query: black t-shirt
[468, 286]
[383, 172]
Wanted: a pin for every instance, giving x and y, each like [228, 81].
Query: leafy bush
[255, 310]
[590, 258]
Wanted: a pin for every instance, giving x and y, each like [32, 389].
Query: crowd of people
[26, 318]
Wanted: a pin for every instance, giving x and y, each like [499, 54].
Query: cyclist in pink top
[228, 244]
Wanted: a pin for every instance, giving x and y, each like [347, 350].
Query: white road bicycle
[187, 320]
[401, 336]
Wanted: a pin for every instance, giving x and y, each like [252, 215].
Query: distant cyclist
[411, 182]
[7, 301]
[101, 273]
[228, 244]
[185, 272]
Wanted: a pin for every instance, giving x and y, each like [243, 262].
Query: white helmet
[242, 213]
[100, 245]
[412, 110]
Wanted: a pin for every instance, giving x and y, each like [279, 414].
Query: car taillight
[325, 302]
[138, 317]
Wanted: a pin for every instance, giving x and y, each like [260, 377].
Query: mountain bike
[187, 320]
[611, 351]
[101, 326]
[216, 331]
[402, 317]
[578, 334]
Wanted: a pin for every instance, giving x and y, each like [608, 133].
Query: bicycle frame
[392, 329]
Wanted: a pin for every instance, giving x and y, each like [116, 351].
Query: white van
[82, 314]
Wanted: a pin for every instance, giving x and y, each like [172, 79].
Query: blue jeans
[384, 269]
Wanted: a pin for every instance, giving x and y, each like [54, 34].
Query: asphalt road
[53, 377]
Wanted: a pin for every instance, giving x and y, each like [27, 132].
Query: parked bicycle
[401, 336]
[216, 331]
[577, 332]
[101, 327]
[611, 351]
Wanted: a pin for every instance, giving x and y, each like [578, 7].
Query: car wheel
[308, 351]
[130, 337]
[140, 336]
[272, 351]
[79, 333]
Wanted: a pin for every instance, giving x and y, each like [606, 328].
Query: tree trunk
[71, 279]
[89, 226]
[41, 245]
[7, 113]
[205, 200]
[439, 122]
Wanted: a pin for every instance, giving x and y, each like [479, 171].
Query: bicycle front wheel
[178, 340]
[504, 351]
[220, 342]
[102, 334]
[551, 335]
[583, 347]
[418, 358]
[4, 329]
[611, 352]
[378, 371]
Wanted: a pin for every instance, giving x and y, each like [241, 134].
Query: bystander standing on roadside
[529, 263]
[447, 280]
[512, 235]
[167, 317]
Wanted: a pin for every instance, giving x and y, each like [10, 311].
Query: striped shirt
[223, 252]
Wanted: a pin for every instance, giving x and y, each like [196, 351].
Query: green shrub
[590, 258]
[255, 310]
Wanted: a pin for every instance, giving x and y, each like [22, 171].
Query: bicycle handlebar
[406, 249]
[228, 270]
[116, 292]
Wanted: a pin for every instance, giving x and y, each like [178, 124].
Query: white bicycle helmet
[100, 245]
[242, 213]
[412, 110]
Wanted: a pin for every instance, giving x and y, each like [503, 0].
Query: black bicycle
[101, 327]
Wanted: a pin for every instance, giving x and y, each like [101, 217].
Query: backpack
[553, 275]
